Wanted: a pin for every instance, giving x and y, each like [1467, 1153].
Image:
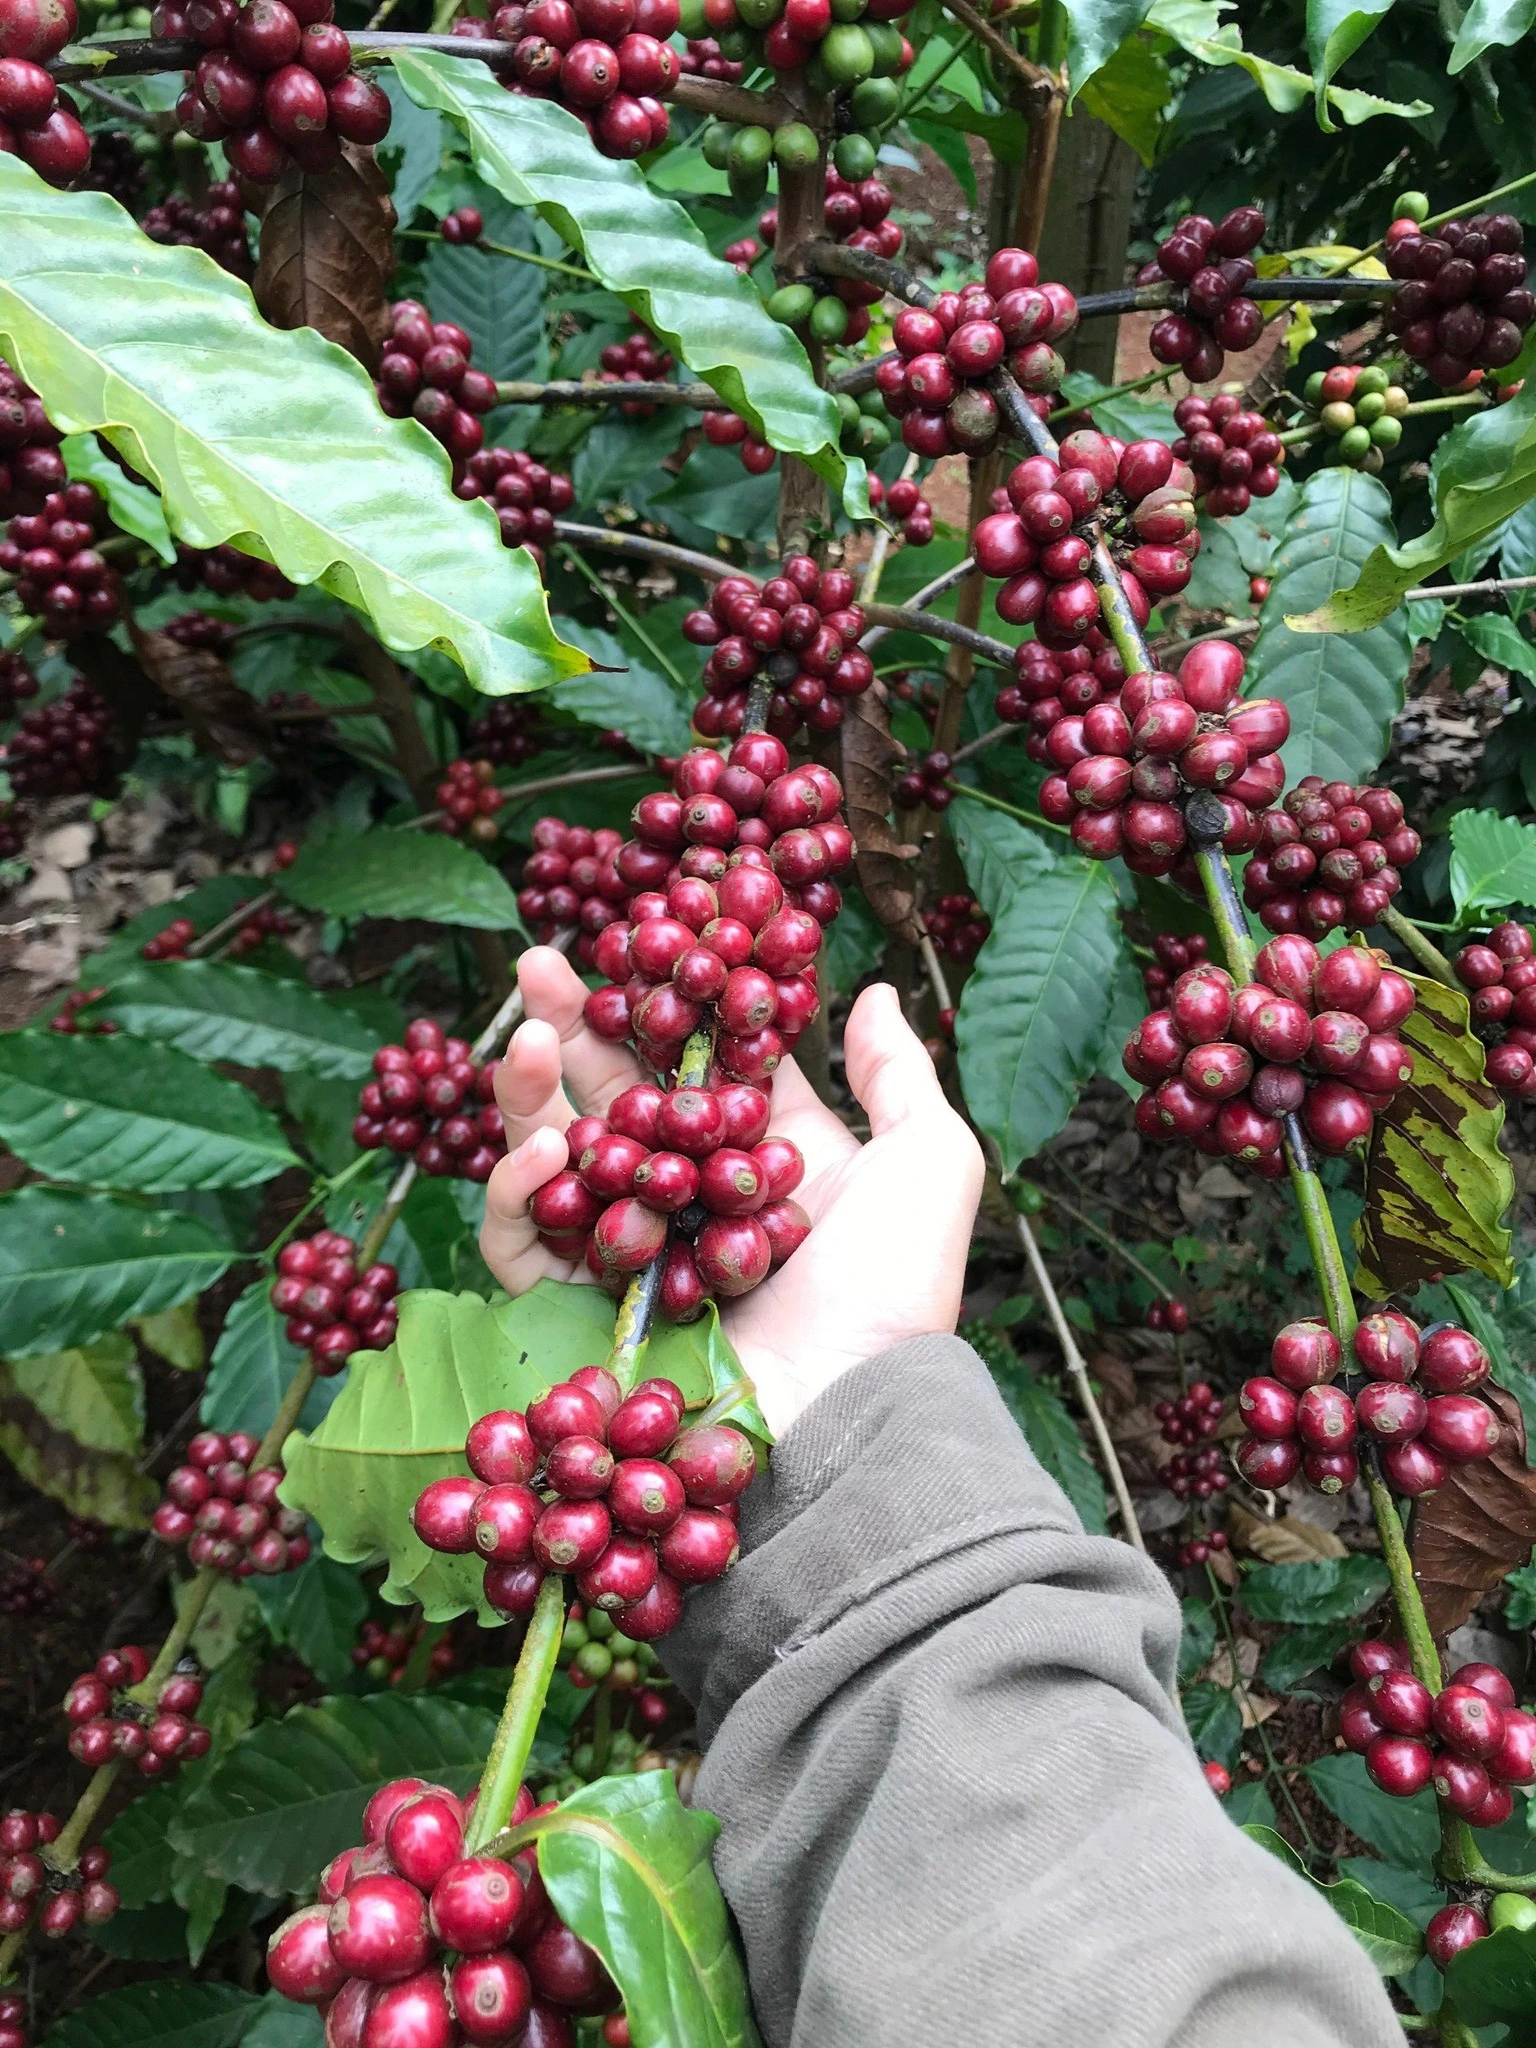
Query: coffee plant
[638, 488]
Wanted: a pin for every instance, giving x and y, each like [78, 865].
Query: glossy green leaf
[140, 1847]
[402, 1416]
[1301, 1651]
[1335, 30]
[1342, 692]
[170, 2012]
[252, 1367]
[173, 1334]
[74, 1266]
[290, 1794]
[317, 1611]
[1498, 639]
[413, 148]
[1493, 862]
[647, 250]
[1493, 1983]
[999, 855]
[1405, 1831]
[1437, 1181]
[386, 873]
[134, 507]
[1196, 26]
[640, 699]
[1389, 1937]
[1483, 470]
[717, 494]
[1214, 1721]
[1033, 1011]
[498, 301]
[235, 450]
[628, 1868]
[1095, 31]
[1128, 93]
[1490, 25]
[1330, 1589]
[117, 1112]
[72, 1423]
[217, 1011]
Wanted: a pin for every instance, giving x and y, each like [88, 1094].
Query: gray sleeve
[941, 1733]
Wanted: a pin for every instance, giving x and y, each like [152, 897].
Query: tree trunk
[1087, 227]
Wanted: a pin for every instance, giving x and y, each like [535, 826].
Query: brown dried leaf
[1288, 1541]
[869, 756]
[1478, 1526]
[327, 253]
[222, 718]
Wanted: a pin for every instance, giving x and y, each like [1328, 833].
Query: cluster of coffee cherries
[430, 1098]
[926, 782]
[641, 1505]
[31, 467]
[275, 84]
[56, 559]
[36, 124]
[724, 429]
[572, 878]
[1197, 1469]
[383, 1653]
[814, 36]
[1297, 1418]
[803, 628]
[217, 226]
[601, 1654]
[1224, 1065]
[1213, 260]
[63, 747]
[1172, 955]
[903, 500]
[68, 1022]
[331, 1308]
[1125, 766]
[1360, 411]
[105, 1722]
[507, 732]
[1496, 974]
[425, 374]
[1235, 454]
[936, 384]
[1462, 303]
[463, 224]
[468, 799]
[701, 58]
[701, 1156]
[638, 359]
[1471, 1741]
[608, 62]
[958, 926]
[30, 1887]
[227, 1515]
[733, 869]
[416, 1943]
[269, 922]
[856, 212]
[1329, 855]
[228, 572]
[18, 685]
[27, 1587]
[526, 496]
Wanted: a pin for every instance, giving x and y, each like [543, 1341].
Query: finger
[528, 1090]
[889, 1069]
[509, 1240]
[595, 1069]
[799, 1113]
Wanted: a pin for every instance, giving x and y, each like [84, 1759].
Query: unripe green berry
[848, 55]
[1312, 390]
[1354, 444]
[595, 1661]
[1369, 406]
[795, 146]
[829, 321]
[1374, 378]
[575, 1638]
[791, 304]
[624, 1674]
[875, 101]
[759, 14]
[1411, 206]
[854, 157]
[600, 1627]
[1338, 416]
[1386, 432]
[715, 144]
[1510, 1909]
[583, 1759]
[623, 1746]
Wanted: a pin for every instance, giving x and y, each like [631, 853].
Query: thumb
[888, 1066]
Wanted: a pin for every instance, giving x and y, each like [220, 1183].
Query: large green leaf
[134, 507]
[628, 1867]
[400, 874]
[1498, 639]
[173, 2013]
[1330, 1589]
[1493, 1983]
[1000, 856]
[104, 324]
[118, 1112]
[1342, 693]
[498, 301]
[1493, 862]
[1214, 1721]
[252, 1367]
[1298, 1652]
[1032, 1014]
[217, 1011]
[1437, 1181]
[1484, 470]
[1095, 30]
[1335, 30]
[402, 1417]
[1488, 25]
[317, 1611]
[1128, 94]
[648, 251]
[72, 1423]
[290, 1794]
[74, 1266]
[1196, 26]
[635, 698]
[1388, 1937]
[1405, 1831]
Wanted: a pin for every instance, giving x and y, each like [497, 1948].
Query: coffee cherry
[378, 1929]
[300, 1961]
[1452, 1929]
[1399, 1764]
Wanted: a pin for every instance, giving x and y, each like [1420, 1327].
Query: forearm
[942, 1736]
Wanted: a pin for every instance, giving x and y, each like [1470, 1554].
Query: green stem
[501, 249]
[1456, 401]
[1429, 957]
[1066, 412]
[1477, 205]
[626, 617]
[1108, 1237]
[1410, 1607]
[508, 1760]
[322, 1193]
[983, 796]
[602, 1730]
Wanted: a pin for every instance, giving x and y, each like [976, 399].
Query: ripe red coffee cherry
[1303, 1355]
[1461, 1781]
[1391, 1410]
[1325, 1419]
[715, 1464]
[1377, 1654]
[578, 1468]
[500, 1449]
[1514, 1761]
[1461, 1428]
[566, 1410]
[646, 1496]
[1267, 1462]
[1358, 1726]
[660, 1611]
[1451, 1361]
[1400, 1702]
[692, 1121]
[425, 1837]
[733, 1254]
[1452, 1929]
[644, 1424]
[667, 1182]
[623, 1574]
[414, 2014]
[443, 1516]
[1412, 1467]
[1400, 1764]
[300, 1962]
[491, 1997]
[570, 1535]
[475, 1904]
[378, 1929]
[700, 1546]
[1268, 1408]
[1387, 1346]
[1489, 1680]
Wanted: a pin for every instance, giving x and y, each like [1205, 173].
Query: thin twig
[919, 599]
[644, 549]
[1492, 586]
[875, 566]
[902, 618]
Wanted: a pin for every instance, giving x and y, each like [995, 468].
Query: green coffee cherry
[1386, 432]
[875, 101]
[1354, 444]
[759, 14]
[643, 1655]
[792, 304]
[847, 10]
[829, 320]
[871, 404]
[848, 409]
[693, 23]
[750, 150]
[873, 438]
[623, 1746]
[887, 40]
[746, 186]
[1510, 1909]
[1397, 400]
[795, 146]
[736, 43]
[848, 54]
[1337, 417]
[715, 144]
[1369, 405]
[1312, 391]
[583, 1759]
[1411, 206]
[625, 1673]
[621, 1644]
[1375, 378]
[600, 1627]
[853, 155]
[575, 1638]
[595, 1661]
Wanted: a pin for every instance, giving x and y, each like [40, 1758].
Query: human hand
[891, 1218]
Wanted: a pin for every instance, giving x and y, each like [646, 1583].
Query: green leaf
[1405, 1831]
[628, 1868]
[134, 508]
[1128, 93]
[173, 1334]
[1389, 1937]
[1096, 29]
[1488, 25]
[173, 2013]
[402, 875]
[1033, 1011]
[649, 252]
[1437, 1181]
[1197, 1639]
[1484, 470]
[1335, 30]
[1493, 862]
[118, 1112]
[1498, 639]
[640, 700]
[1219, 581]
[235, 450]
[290, 1794]
[1301, 1651]
[416, 139]
[74, 1266]
[1038, 1408]
[498, 301]
[1342, 693]
[715, 492]
[1330, 1589]
[317, 1611]
[253, 1366]
[853, 945]
[1000, 856]
[72, 1423]
[1214, 1721]
[1196, 26]
[140, 1847]
[1494, 1982]
[1249, 1805]
[216, 1011]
